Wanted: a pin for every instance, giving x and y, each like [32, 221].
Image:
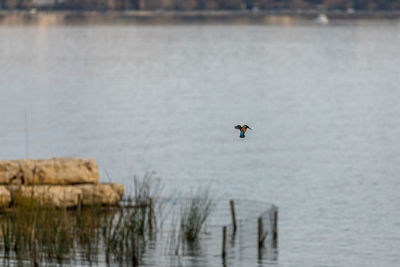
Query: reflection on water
[322, 102]
[106, 236]
[53, 236]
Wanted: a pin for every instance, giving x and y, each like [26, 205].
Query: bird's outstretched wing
[239, 127]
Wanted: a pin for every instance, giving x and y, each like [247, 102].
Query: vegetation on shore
[113, 5]
[39, 232]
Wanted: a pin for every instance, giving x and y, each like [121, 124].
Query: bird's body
[242, 129]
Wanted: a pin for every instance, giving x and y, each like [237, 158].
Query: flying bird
[242, 129]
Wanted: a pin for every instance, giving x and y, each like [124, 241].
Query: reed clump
[134, 225]
[194, 214]
[35, 221]
[36, 230]
[37, 225]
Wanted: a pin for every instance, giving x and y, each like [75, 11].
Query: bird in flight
[242, 129]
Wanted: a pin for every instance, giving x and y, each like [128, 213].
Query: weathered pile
[59, 181]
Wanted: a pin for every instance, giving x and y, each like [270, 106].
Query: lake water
[322, 101]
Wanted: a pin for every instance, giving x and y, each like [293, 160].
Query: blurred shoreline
[286, 17]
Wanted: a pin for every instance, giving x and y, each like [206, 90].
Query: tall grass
[34, 221]
[129, 230]
[37, 231]
[195, 213]
[146, 198]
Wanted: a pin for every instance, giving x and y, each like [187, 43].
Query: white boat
[322, 19]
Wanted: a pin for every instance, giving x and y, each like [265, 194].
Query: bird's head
[246, 127]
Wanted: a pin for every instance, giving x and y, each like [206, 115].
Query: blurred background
[200, 4]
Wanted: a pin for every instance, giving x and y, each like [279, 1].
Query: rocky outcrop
[118, 188]
[67, 196]
[55, 171]
[104, 194]
[60, 182]
[5, 197]
[57, 195]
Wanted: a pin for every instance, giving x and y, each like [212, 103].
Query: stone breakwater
[62, 182]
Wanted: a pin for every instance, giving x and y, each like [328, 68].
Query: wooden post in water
[275, 229]
[35, 254]
[260, 233]
[135, 259]
[260, 240]
[150, 215]
[233, 215]
[223, 242]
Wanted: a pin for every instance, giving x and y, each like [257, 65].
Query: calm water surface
[323, 103]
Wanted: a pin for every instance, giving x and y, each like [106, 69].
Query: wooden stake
[233, 215]
[275, 229]
[260, 234]
[35, 254]
[135, 259]
[223, 242]
[150, 215]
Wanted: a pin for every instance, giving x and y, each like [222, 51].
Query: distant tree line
[104, 5]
